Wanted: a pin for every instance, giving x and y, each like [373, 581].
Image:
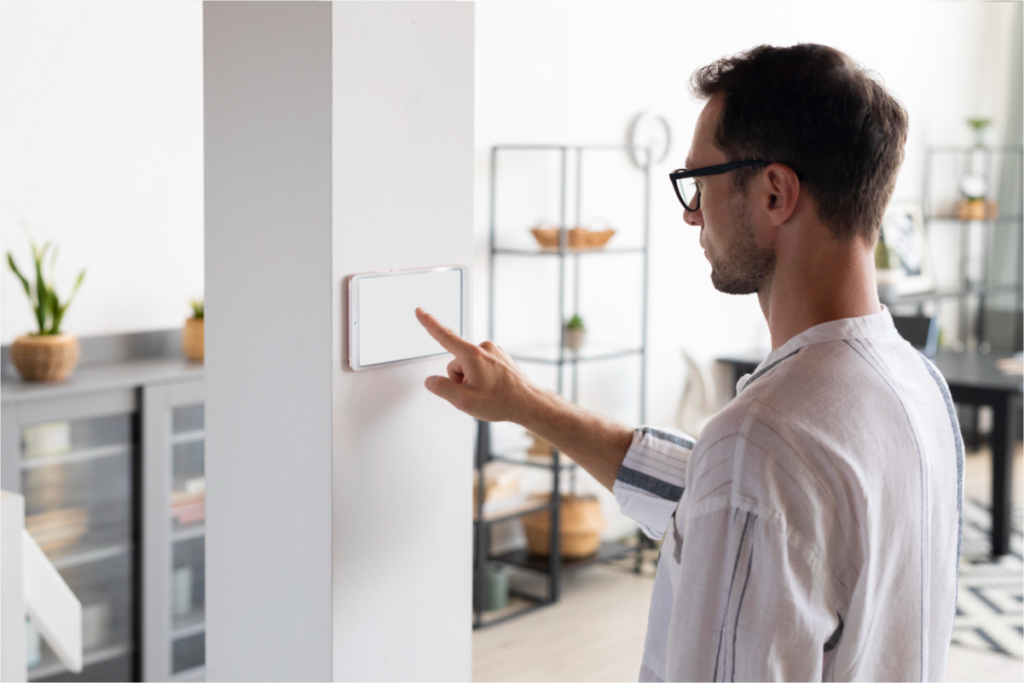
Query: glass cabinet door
[188, 515]
[175, 626]
[77, 479]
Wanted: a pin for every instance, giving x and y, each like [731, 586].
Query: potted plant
[888, 273]
[46, 355]
[575, 333]
[979, 125]
[192, 335]
[974, 185]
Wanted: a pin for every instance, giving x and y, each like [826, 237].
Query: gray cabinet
[174, 522]
[111, 464]
[76, 460]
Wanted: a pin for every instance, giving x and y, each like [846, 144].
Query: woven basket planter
[192, 339]
[45, 358]
[581, 525]
[579, 238]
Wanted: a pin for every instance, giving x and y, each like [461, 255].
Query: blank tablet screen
[388, 328]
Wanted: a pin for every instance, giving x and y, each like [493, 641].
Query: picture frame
[904, 236]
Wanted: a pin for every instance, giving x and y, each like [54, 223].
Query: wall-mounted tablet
[382, 325]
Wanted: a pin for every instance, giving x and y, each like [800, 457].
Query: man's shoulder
[791, 422]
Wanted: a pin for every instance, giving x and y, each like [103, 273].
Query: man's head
[834, 137]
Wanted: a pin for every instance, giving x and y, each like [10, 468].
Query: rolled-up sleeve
[652, 478]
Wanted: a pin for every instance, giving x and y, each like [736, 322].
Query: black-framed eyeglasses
[685, 184]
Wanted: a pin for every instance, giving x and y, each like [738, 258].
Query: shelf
[541, 564]
[195, 674]
[94, 555]
[930, 296]
[47, 670]
[565, 464]
[188, 533]
[189, 625]
[548, 354]
[82, 455]
[188, 437]
[100, 378]
[527, 508]
[963, 149]
[955, 219]
[519, 604]
[569, 252]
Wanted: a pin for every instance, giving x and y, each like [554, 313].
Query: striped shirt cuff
[651, 480]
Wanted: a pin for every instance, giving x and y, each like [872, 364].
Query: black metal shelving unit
[970, 289]
[552, 567]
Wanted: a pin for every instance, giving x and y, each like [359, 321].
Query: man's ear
[783, 190]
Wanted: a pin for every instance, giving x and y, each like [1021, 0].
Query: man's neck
[818, 283]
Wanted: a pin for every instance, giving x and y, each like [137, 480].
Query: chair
[699, 403]
[921, 331]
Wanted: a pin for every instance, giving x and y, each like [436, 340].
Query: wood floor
[596, 632]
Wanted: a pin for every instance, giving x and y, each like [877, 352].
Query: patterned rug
[989, 610]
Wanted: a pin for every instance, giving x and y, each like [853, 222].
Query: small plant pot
[976, 210]
[45, 357]
[574, 339]
[192, 339]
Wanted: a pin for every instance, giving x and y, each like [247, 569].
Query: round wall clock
[649, 130]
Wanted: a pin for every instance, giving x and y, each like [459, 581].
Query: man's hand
[482, 381]
[485, 382]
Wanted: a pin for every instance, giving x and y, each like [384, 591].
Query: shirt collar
[875, 325]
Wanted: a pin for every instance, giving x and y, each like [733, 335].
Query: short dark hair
[816, 110]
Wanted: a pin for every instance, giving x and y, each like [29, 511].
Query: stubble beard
[746, 267]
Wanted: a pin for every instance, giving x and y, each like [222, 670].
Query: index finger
[444, 336]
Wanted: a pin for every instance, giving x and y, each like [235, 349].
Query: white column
[267, 101]
[338, 140]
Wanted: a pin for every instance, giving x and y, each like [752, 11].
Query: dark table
[973, 379]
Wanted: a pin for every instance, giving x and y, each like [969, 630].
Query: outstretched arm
[485, 382]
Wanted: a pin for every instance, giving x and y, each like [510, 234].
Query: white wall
[574, 72]
[269, 340]
[403, 178]
[102, 129]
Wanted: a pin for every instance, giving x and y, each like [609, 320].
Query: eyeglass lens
[688, 192]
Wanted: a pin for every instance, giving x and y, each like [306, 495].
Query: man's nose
[695, 218]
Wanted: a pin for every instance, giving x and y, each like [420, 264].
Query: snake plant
[197, 307]
[46, 304]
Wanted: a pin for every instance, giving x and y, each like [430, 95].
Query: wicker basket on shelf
[45, 357]
[581, 524]
[579, 238]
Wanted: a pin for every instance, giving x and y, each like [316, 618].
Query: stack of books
[189, 505]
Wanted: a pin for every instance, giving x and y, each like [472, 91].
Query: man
[813, 532]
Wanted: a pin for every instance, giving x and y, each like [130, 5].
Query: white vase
[573, 339]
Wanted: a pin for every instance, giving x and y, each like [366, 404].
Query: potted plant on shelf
[974, 185]
[46, 355]
[888, 273]
[192, 335]
[575, 333]
[979, 125]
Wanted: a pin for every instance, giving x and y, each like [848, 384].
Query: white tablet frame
[353, 313]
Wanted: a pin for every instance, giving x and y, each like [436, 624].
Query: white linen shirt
[813, 533]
